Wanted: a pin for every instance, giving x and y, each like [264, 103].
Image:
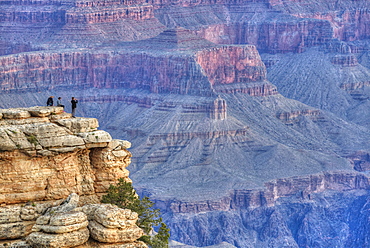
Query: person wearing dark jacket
[74, 106]
[50, 101]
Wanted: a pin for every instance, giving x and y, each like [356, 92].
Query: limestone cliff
[45, 156]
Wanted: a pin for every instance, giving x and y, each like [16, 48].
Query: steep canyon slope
[248, 118]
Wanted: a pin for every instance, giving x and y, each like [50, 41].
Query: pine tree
[124, 196]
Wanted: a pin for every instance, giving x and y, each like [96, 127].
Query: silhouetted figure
[59, 102]
[50, 101]
[74, 106]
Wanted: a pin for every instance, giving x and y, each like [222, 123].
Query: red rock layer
[32, 71]
[229, 64]
[109, 14]
[222, 66]
[290, 117]
[348, 25]
[187, 3]
[93, 3]
[272, 36]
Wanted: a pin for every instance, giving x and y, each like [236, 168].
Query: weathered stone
[15, 230]
[60, 229]
[29, 212]
[115, 143]
[67, 149]
[69, 218]
[123, 144]
[68, 205]
[89, 210]
[79, 125]
[43, 220]
[31, 120]
[43, 112]
[17, 136]
[6, 144]
[60, 116]
[96, 137]
[49, 153]
[95, 244]
[114, 235]
[62, 141]
[120, 153]
[15, 113]
[112, 216]
[64, 240]
[15, 244]
[10, 214]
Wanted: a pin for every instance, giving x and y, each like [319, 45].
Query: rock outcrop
[68, 225]
[45, 156]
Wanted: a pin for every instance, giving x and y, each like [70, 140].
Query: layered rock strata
[67, 225]
[220, 68]
[281, 213]
[302, 187]
[60, 226]
[45, 156]
[110, 224]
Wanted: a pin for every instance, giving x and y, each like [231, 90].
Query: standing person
[59, 102]
[50, 101]
[74, 106]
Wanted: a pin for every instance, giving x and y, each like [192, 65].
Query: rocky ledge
[63, 224]
[47, 156]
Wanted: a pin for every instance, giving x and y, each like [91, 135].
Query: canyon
[248, 119]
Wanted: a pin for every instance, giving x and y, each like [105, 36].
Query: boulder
[38, 111]
[15, 113]
[64, 240]
[98, 138]
[79, 125]
[112, 216]
[15, 230]
[114, 235]
[61, 222]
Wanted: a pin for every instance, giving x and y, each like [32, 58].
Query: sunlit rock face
[255, 107]
[46, 155]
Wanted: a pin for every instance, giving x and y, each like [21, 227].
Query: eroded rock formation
[45, 156]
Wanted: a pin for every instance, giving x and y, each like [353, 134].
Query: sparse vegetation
[32, 139]
[124, 196]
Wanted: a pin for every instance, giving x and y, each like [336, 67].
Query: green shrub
[124, 196]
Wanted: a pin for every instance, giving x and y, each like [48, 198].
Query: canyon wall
[124, 69]
[281, 214]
